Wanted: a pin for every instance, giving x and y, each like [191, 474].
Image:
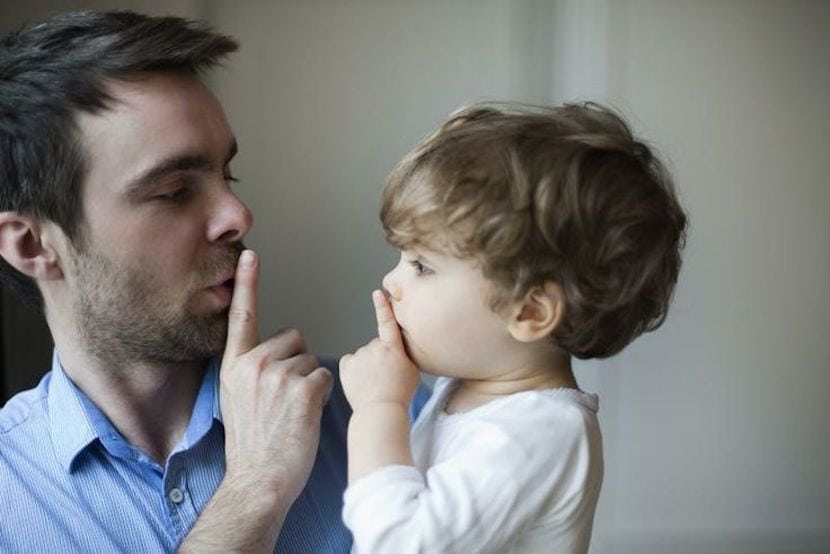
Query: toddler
[528, 236]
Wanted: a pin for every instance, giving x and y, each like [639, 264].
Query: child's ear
[28, 247]
[536, 315]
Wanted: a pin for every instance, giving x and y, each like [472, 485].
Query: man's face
[150, 272]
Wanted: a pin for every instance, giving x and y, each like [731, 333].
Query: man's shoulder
[24, 432]
[332, 364]
[24, 408]
[337, 411]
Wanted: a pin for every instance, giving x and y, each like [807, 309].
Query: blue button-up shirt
[69, 482]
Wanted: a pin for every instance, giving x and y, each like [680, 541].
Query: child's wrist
[380, 405]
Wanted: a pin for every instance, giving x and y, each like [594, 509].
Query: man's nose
[231, 219]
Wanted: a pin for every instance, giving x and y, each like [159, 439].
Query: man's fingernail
[247, 258]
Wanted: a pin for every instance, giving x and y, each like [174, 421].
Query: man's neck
[148, 402]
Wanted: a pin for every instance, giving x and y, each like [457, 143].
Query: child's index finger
[388, 330]
[242, 315]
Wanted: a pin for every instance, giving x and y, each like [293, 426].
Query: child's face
[442, 306]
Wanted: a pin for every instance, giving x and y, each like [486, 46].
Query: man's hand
[272, 395]
[380, 371]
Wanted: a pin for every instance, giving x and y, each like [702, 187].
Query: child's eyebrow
[426, 258]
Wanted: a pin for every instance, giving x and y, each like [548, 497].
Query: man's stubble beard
[123, 315]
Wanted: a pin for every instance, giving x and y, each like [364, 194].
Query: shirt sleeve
[503, 474]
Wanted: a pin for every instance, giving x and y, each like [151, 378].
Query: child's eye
[420, 268]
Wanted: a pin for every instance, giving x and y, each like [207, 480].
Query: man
[117, 218]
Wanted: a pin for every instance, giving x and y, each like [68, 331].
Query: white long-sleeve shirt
[519, 474]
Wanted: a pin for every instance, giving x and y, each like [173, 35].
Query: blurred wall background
[716, 430]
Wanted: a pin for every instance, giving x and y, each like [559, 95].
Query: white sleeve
[502, 475]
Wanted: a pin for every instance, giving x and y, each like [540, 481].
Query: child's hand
[380, 371]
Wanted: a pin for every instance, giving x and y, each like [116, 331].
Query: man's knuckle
[291, 334]
[241, 314]
[308, 360]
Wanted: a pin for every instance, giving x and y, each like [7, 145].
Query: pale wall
[716, 429]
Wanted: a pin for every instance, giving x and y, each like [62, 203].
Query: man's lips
[223, 289]
[225, 280]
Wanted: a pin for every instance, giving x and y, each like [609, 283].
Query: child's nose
[391, 287]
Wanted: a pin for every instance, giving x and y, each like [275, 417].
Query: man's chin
[217, 335]
[201, 338]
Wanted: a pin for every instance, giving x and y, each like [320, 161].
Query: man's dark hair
[53, 70]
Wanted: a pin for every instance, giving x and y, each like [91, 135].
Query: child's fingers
[388, 330]
[242, 316]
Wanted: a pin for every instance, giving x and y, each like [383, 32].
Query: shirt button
[175, 496]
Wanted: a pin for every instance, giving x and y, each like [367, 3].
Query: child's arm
[528, 465]
[379, 381]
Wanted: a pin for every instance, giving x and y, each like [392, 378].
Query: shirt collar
[206, 408]
[76, 422]
[69, 424]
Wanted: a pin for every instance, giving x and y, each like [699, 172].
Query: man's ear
[27, 247]
[536, 315]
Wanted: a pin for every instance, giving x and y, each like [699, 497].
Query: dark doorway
[25, 348]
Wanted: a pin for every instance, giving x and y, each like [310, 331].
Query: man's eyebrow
[183, 162]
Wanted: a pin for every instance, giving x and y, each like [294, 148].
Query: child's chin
[407, 347]
[425, 367]
[412, 353]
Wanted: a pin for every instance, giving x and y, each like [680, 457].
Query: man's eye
[231, 179]
[175, 195]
